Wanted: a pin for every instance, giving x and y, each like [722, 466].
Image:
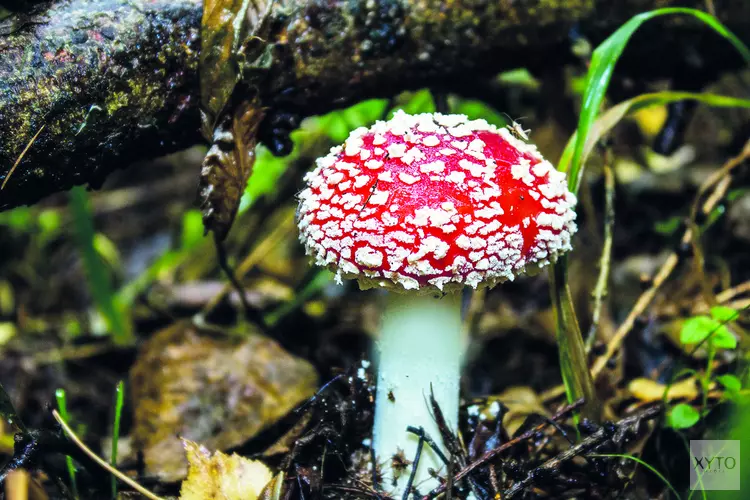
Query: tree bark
[99, 84]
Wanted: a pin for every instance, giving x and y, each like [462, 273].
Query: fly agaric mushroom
[423, 206]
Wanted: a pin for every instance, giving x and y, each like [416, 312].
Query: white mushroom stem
[420, 345]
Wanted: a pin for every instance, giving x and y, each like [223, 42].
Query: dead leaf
[285, 443]
[224, 24]
[228, 165]
[648, 390]
[222, 477]
[231, 114]
[215, 390]
[521, 402]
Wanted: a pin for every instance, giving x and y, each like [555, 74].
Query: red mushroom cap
[434, 202]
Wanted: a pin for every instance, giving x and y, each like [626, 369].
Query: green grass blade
[119, 401]
[62, 406]
[573, 365]
[610, 118]
[100, 282]
[603, 62]
[645, 464]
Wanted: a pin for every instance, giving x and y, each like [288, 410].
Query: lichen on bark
[110, 80]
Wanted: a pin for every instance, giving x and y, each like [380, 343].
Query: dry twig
[665, 271]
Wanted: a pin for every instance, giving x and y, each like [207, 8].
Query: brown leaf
[224, 24]
[229, 163]
[219, 391]
[222, 477]
[521, 402]
[285, 443]
[231, 114]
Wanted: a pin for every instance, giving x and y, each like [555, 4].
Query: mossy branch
[115, 81]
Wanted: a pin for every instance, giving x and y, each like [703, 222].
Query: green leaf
[477, 109]
[338, 124]
[107, 250]
[19, 218]
[49, 221]
[668, 226]
[519, 77]
[697, 329]
[724, 314]
[703, 328]
[602, 66]
[192, 230]
[737, 193]
[723, 339]
[730, 382]
[600, 72]
[417, 102]
[683, 416]
[364, 113]
[266, 174]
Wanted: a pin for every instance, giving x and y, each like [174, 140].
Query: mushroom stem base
[420, 345]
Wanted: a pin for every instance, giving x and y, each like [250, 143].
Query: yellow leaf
[274, 488]
[651, 120]
[649, 390]
[219, 476]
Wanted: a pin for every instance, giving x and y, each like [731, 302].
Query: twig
[24, 456]
[20, 157]
[221, 254]
[102, 463]
[491, 454]
[730, 293]
[599, 437]
[452, 444]
[374, 461]
[356, 491]
[415, 464]
[449, 439]
[431, 442]
[251, 260]
[671, 263]
[600, 291]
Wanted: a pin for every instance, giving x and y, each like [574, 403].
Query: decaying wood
[114, 81]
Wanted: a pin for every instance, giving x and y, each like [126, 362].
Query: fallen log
[88, 86]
